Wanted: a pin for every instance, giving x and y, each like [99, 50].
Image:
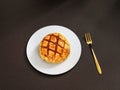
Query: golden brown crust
[54, 48]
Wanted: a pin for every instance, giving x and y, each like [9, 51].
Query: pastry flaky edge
[64, 55]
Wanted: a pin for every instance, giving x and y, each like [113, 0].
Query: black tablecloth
[19, 19]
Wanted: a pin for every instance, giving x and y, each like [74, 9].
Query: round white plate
[47, 68]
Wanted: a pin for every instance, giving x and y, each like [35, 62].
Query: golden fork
[89, 42]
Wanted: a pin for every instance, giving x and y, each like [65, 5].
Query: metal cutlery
[89, 42]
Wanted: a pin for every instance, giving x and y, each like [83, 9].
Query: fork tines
[88, 38]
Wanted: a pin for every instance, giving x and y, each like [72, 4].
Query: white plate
[47, 68]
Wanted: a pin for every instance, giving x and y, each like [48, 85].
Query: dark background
[19, 19]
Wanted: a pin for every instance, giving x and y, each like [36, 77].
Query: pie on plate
[54, 48]
[67, 62]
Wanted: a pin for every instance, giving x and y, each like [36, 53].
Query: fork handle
[96, 62]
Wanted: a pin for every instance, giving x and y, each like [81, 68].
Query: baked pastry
[54, 48]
